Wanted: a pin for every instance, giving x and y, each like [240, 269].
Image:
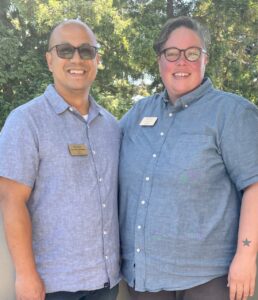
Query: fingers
[232, 291]
[236, 292]
[241, 292]
[252, 288]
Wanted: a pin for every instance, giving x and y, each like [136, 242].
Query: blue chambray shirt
[73, 204]
[181, 183]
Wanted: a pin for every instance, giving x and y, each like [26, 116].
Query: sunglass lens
[65, 51]
[87, 52]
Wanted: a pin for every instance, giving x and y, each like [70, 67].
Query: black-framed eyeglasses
[191, 54]
[67, 51]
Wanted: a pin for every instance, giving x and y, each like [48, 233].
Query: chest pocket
[192, 151]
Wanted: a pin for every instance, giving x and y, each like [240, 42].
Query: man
[58, 185]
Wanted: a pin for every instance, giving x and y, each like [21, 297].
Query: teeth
[181, 74]
[76, 71]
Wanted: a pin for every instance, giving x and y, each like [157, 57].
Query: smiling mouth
[76, 72]
[181, 74]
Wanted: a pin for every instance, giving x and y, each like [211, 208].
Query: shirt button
[142, 202]
[70, 108]
[185, 105]
[106, 257]
[138, 250]
[100, 179]
[139, 227]
[162, 133]
[104, 232]
[154, 155]
[104, 205]
[170, 114]
[93, 152]
[147, 178]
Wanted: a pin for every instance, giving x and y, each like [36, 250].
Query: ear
[49, 61]
[98, 59]
[100, 66]
[159, 63]
[206, 59]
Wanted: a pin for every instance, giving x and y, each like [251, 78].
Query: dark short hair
[173, 24]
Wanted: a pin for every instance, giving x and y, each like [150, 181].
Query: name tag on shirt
[148, 121]
[78, 150]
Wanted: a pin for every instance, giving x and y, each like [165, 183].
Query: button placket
[159, 138]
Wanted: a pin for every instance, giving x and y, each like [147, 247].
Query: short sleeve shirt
[73, 203]
[182, 172]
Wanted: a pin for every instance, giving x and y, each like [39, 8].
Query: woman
[189, 181]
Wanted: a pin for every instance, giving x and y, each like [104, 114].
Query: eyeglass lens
[67, 51]
[191, 54]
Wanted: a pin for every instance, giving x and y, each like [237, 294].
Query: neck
[77, 99]
[81, 105]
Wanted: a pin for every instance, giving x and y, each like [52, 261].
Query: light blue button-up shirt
[181, 183]
[73, 204]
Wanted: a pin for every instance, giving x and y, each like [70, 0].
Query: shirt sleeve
[239, 146]
[19, 149]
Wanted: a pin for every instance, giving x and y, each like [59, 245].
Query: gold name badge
[148, 121]
[78, 150]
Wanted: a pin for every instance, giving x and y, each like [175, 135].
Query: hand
[29, 287]
[241, 277]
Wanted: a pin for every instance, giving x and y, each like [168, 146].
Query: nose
[76, 56]
[181, 59]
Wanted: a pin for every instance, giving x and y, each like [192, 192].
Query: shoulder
[25, 113]
[232, 101]
[147, 102]
[109, 121]
[139, 108]
[108, 116]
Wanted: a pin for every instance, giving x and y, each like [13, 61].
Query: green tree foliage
[233, 61]
[126, 30]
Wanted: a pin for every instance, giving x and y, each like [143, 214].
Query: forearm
[242, 271]
[17, 225]
[248, 226]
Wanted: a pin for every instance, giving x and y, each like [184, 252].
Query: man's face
[72, 76]
[182, 76]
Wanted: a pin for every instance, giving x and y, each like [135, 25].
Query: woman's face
[182, 76]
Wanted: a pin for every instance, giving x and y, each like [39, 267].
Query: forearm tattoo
[246, 242]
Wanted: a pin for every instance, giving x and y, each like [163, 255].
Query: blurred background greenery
[125, 30]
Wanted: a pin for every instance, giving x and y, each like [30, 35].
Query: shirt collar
[55, 100]
[191, 97]
[60, 105]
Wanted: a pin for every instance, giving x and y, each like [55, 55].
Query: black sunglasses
[67, 51]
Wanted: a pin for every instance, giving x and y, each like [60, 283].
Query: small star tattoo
[246, 242]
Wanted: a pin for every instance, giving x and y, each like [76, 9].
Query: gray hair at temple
[173, 24]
